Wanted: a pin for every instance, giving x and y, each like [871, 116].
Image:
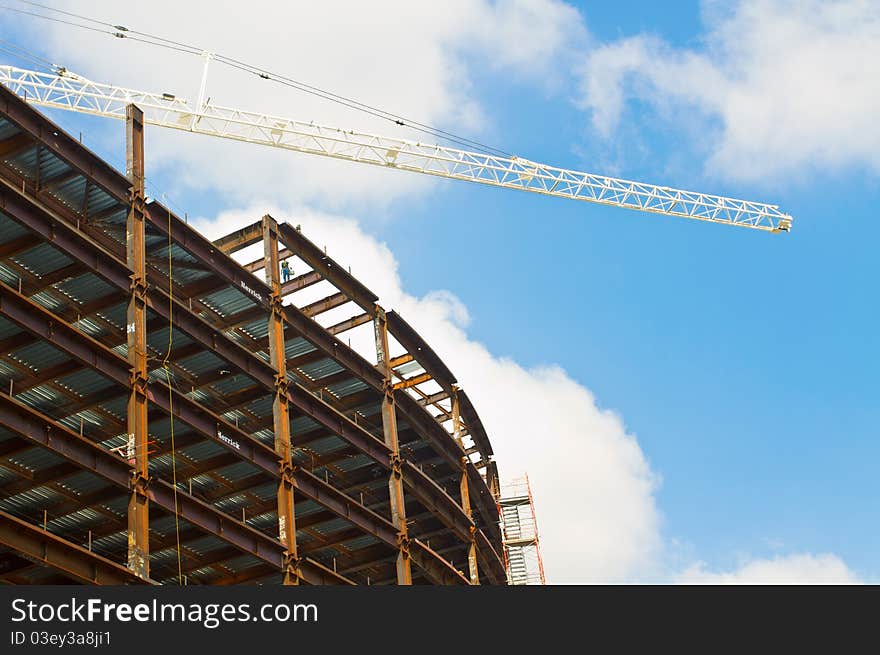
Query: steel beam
[280, 409]
[416, 380]
[433, 399]
[56, 180]
[235, 275]
[34, 318]
[348, 324]
[136, 331]
[69, 559]
[400, 360]
[75, 244]
[329, 269]
[13, 145]
[14, 246]
[299, 282]
[239, 239]
[324, 305]
[389, 430]
[340, 278]
[420, 350]
[222, 264]
[42, 431]
[434, 564]
[434, 433]
[465, 492]
[29, 214]
[99, 173]
[475, 425]
[65, 146]
[40, 322]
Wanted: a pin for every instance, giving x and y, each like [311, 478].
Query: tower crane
[63, 89]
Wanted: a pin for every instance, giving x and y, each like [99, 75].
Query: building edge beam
[82, 565]
[473, 569]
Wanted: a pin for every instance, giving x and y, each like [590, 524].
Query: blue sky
[742, 362]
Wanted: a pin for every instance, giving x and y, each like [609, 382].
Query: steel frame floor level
[174, 412]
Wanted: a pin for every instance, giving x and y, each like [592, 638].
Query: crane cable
[23, 53]
[124, 32]
[166, 368]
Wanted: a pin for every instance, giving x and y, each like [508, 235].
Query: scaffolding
[522, 552]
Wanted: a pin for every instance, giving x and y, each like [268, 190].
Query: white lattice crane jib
[65, 90]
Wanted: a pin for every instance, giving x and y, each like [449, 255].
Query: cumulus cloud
[594, 488]
[595, 491]
[413, 58]
[790, 569]
[774, 87]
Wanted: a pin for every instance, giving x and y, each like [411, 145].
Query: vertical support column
[465, 491]
[136, 332]
[492, 479]
[389, 427]
[280, 408]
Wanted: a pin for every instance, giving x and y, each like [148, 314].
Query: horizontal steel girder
[41, 431]
[37, 320]
[99, 173]
[23, 210]
[69, 559]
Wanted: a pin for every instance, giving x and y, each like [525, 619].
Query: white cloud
[775, 86]
[594, 489]
[412, 58]
[791, 569]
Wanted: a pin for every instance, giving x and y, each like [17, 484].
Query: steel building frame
[296, 460]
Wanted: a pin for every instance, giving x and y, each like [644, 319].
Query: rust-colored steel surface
[136, 332]
[136, 353]
[280, 408]
[389, 432]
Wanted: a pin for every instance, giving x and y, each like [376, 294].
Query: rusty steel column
[136, 332]
[465, 491]
[389, 428]
[280, 408]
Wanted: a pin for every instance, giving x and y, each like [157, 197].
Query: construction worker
[285, 271]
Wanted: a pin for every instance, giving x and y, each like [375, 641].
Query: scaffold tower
[522, 552]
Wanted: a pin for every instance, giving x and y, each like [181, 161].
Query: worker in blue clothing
[285, 271]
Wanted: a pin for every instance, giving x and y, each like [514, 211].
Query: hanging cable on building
[166, 367]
